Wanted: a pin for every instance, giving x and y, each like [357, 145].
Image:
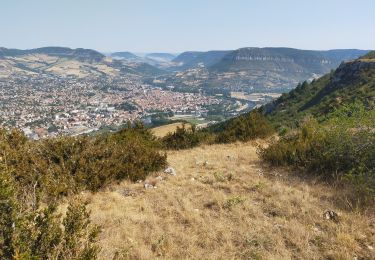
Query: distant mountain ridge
[158, 60]
[161, 56]
[124, 55]
[63, 52]
[62, 61]
[255, 69]
[191, 59]
[284, 59]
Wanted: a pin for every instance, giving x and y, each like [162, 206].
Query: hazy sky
[180, 25]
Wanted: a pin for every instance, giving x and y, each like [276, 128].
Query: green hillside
[352, 81]
[370, 55]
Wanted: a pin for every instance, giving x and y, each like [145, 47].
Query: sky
[181, 25]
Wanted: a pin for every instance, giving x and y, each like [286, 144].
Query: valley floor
[224, 204]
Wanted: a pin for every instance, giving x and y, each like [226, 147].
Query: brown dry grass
[163, 130]
[230, 208]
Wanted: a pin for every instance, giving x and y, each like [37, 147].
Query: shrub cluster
[33, 232]
[243, 128]
[343, 147]
[184, 138]
[32, 172]
[66, 165]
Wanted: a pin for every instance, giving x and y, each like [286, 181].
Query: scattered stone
[331, 215]
[205, 163]
[139, 181]
[279, 226]
[317, 230]
[170, 171]
[159, 178]
[370, 247]
[149, 186]
[192, 179]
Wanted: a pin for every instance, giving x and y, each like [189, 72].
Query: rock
[149, 186]
[159, 178]
[331, 215]
[278, 226]
[205, 163]
[170, 171]
[370, 247]
[192, 179]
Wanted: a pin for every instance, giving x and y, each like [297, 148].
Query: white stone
[170, 171]
[148, 186]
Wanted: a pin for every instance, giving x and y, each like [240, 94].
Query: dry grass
[228, 208]
[163, 130]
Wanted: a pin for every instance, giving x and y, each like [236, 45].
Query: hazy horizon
[169, 26]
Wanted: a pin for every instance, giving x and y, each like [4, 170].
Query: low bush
[342, 148]
[244, 128]
[184, 138]
[35, 174]
[33, 232]
[65, 165]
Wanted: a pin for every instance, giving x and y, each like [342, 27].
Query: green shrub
[343, 147]
[66, 165]
[184, 138]
[32, 232]
[45, 170]
[244, 128]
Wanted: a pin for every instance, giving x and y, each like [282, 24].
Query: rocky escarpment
[352, 70]
[291, 60]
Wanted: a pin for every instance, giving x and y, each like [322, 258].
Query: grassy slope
[233, 208]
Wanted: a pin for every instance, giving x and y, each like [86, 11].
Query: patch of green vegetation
[35, 173]
[126, 106]
[350, 83]
[29, 231]
[342, 147]
[243, 128]
[370, 55]
[233, 201]
[195, 121]
[65, 165]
